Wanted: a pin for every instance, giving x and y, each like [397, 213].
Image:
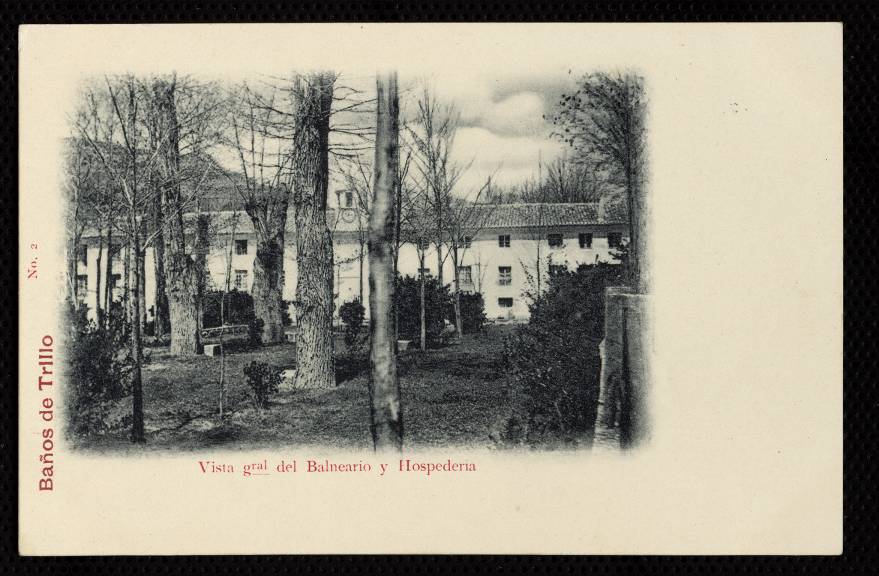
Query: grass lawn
[451, 397]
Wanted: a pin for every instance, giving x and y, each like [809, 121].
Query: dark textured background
[860, 55]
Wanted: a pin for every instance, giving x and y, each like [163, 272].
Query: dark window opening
[555, 240]
[503, 240]
[585, 240]
[505, 275]
[240, 247]
[614, 239]
[505, 302]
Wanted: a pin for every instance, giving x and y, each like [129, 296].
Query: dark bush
[408, 302]
[97, 371]
[555, 361]
[352, 314]
[472, 312]
[263, 380]
[237, 308]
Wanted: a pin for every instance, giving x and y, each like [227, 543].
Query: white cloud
[511, 159]
[519, 114]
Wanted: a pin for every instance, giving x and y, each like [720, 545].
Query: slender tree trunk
[108, 287]
[161, 326]
[99, 315]
[141, 288]
[137, 428]
[180, 277]
[384, 389]
[439, 262]
[459, 323]
[126, 272]
[314, 243]
[363, 247]
[202, 246]
[423, 341]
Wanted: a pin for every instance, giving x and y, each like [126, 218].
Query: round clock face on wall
[348, 215]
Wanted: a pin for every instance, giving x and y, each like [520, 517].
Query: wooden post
[384, 391]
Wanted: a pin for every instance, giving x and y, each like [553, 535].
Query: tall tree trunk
[314, 243]
[200, 263]
[268, 279]
[181, 283]
[137, 428]
[161, 326]
[384, 388]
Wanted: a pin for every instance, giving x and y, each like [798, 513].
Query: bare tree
[464, 221]
[603, 121]
[384, 389]
[312, 104]
[358, 177]
[122, 156]
[79, 187]
[261, 135]
[433, 137]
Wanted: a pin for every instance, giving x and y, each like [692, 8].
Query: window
[424, 271]
[82, 254]
[349, 199]
[465, 275]
[82, 286]
[614, 239]
[240, 247]
[503, 240]
[504, 275]
[505, 302]
[556, 269]
[555, 240]
[241, 280]
[467, 241]
[585, 240]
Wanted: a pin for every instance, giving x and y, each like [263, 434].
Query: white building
[500, 260]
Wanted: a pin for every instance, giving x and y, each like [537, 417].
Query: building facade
[513, 250]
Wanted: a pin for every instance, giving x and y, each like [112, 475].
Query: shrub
[237, 308]
[263, 380]
[407, 299]
[555, 359]
[472, 312]
[352, 314]
[97, 371]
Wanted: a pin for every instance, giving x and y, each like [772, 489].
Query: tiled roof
[540, 215]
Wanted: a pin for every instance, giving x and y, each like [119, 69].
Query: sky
[502, 130]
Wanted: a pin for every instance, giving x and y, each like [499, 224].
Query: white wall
[484, 257]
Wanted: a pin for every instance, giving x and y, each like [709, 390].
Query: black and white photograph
[358, 261]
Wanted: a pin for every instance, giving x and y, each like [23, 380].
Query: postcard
[430, 288]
